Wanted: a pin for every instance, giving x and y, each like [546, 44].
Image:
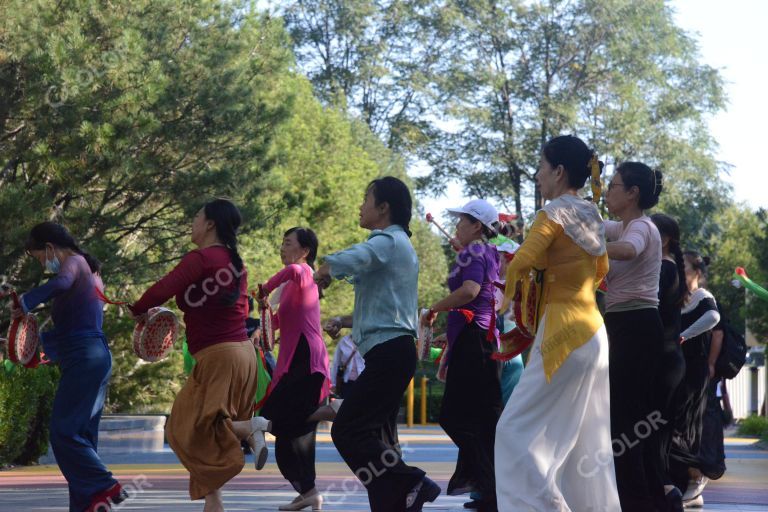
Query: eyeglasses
[613, 185]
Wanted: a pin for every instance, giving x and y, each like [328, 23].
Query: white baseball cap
[480, 209]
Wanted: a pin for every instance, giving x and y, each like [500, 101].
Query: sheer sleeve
[540, 237]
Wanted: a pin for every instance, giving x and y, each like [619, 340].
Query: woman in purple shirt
[472, 400]
[77, 343]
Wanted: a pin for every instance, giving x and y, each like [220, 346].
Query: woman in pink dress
[301, 379]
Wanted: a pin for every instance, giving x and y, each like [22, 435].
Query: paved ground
[162, 482]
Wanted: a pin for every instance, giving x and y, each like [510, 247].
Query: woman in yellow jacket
[553, 440]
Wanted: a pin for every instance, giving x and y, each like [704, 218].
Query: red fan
[154, 334]
[267, 332]
[23, 338]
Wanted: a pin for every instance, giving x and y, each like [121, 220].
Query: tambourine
[154, 334]
[267, 332]
[23, 338]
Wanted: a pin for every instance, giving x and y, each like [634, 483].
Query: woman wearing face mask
[699, 316]
[210, 415]
[472, 400]
[553, 442]
[384, 270]
[301, 379]
[78, 345]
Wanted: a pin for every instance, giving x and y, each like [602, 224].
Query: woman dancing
[553, 443]
[211, 414]
[384, 270]
[78, 345]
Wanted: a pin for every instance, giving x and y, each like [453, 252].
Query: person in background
[471, 403]
[673, 292]
[699, 316]
[78, 345]
[347, 366]
[635, 331]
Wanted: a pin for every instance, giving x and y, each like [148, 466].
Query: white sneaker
[257, 442]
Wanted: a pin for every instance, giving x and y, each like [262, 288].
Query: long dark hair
[669, 227]
[307, 240]
[649, 182]
[227, 219]
[574, 155]
[697, 261]
[394, 192]
[56, 234]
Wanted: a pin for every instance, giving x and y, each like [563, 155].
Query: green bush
[26, 401]
[755, 426]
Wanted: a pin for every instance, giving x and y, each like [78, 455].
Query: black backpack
[732, 355]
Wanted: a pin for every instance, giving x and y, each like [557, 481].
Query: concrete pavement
[159, 482]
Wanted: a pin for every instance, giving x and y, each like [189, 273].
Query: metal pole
[409, 408]
[424, 397]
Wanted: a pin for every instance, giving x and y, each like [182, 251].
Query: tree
[521, 73]
[376, 58]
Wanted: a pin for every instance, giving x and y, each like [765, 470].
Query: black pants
[670, 374]
[635, 339]
[470, 410]
[365, 430]
[289, 404]
[712, 449]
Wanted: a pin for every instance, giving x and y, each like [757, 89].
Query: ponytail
[683, 292]
[226, 217]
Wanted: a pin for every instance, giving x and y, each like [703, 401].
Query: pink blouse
[299, 313]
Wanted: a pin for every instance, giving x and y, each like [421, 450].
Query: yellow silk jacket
[571, 278]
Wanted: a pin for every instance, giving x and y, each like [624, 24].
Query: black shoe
[428, 492]
[674, 500]
[472, 505]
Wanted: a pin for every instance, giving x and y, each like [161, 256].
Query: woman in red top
[211, 413]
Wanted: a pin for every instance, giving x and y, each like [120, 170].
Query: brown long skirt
[220, 390]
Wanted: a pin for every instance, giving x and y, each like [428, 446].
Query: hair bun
[706, 259]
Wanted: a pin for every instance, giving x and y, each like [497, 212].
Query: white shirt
[356, 364]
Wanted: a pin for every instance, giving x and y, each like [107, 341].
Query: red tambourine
[265, 324]
[23, 338]
[155, 333]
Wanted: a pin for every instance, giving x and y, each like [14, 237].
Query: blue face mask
[54, 265]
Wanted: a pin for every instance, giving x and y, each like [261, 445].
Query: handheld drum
[23, 338]
[154, 334]
[267, 332]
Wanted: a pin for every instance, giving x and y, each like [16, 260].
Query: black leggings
[636, 338]
[294, 399]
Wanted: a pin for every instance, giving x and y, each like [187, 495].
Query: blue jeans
[86, 366]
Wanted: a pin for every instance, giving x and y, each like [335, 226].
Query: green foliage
[120, 121]
[754, 426]
[26, 401]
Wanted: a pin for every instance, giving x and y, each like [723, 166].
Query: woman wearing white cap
[553, 440]
[472, 400]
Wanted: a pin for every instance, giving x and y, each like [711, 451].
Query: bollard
[409, 406]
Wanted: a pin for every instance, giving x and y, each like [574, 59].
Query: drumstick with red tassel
[454, 243]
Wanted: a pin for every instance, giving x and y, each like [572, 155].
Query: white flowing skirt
[553, 448]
